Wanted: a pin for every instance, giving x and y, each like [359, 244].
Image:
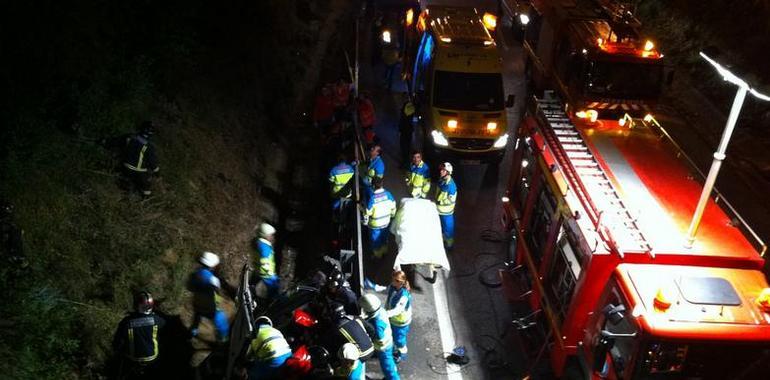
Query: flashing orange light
[648, 45]
[663, 299]
[409, 17]
[581, 114]
[446, 39]
[599, 42]
[421, 22]
[491, 126]
[763, 300]
[451, 124]
[490, 21]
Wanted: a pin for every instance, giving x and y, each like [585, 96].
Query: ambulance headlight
[439, 138]
[501, 141]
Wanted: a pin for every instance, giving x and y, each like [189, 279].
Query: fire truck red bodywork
[600, 213]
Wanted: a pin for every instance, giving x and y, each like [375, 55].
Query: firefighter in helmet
[136, 339]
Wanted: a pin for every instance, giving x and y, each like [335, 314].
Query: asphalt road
[458, 310]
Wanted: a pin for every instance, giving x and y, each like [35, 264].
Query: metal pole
[355, 79]
[359, 243]
[716, 164]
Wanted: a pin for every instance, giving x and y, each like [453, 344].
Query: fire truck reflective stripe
[614, 106]
[635, 107]
[624, 106]
[593, 104]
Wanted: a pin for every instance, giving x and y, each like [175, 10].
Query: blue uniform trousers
[272, 286]
[399, 339]
[448, 229]
[388, 364]
[379, 240]
[221, 324]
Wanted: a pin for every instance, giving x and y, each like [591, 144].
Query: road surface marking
[454, 372]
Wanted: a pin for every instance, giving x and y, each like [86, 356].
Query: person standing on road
[445, 203]
[406, 129]
[268, 351]
[265, 260]
[376, 168]
[380, 208]
[398, 308]
[136, 339]
[207, 302]
[382, 336]
[418, 179]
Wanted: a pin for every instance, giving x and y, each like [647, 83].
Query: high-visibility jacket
[447, 196]
[205, 287]
[366, 113]
[341, 92]
[399, 306]
[383, 336]
[268, 345]
[376, 169]
[137, 337]
[339, 177]
[380, 208]
[419, 180]
[352, 330]
[266, 260]
[139, 155]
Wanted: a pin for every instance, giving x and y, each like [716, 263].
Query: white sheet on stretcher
[418, 233]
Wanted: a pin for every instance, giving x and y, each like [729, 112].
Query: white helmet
[349, 351]
[370, 304]
[209, 259]
[266, 229]
[266, 320]
[448, 167]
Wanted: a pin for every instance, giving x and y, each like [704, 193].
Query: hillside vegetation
[214, 78]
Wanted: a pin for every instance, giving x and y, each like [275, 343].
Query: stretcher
[418, 234]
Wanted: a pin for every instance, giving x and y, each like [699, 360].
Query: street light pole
[719, 155]
[716, 164]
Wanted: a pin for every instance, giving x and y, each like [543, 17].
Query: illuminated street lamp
[719, 155]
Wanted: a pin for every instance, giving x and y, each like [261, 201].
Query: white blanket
[418, 233]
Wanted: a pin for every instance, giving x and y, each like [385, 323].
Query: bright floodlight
[732, 78]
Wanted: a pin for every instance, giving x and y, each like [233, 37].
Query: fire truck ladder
[606, 210]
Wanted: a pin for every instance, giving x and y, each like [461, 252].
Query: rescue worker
[350, 366]
[445, 203]
[136, 339]
[268, 351]
[398, 308]
[340, 182]
[338, 292]
[418, 179]
[350, 329]
[207, 302]
[139, 158]
[341, 98]
[323, 109]
[391, 55]
[265, 261]
[366, 117]
[376, 168]
[406, 129]
[382, 336]
[380, 208]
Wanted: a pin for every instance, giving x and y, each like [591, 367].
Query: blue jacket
[266, 261]
[399, 306]
[383, 336]
[380, 208]
[339, 176]
[205, 287]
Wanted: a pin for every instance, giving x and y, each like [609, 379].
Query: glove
[365, 220]
[369, 284]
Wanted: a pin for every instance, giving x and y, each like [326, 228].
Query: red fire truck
[599, 213]
[592, 52]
